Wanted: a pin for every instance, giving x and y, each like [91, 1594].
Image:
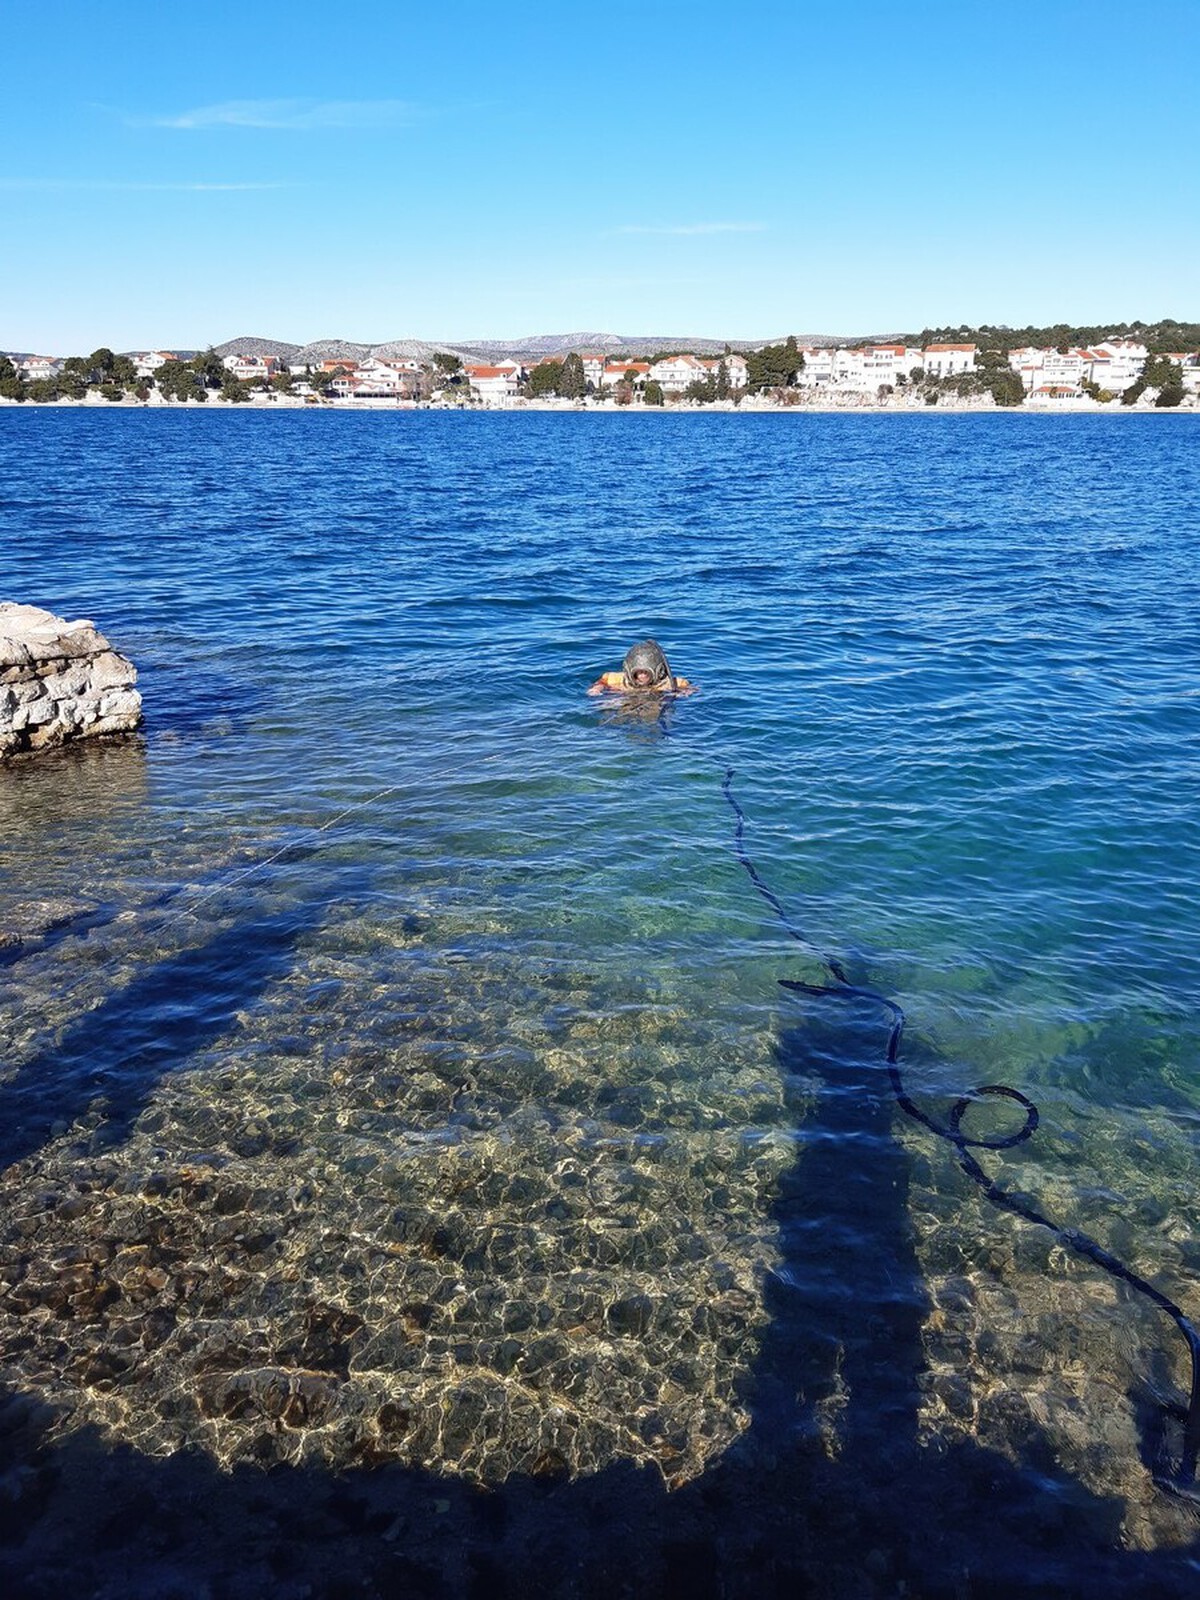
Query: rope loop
[1002, 1090]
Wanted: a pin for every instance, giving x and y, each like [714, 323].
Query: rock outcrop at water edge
[59, 681]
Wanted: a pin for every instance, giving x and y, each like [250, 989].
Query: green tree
[545, 379]
[123, 372]
[444, 361]
[1170, 394]
[210, 368]
[653, 395]
[572, 385]
[72, 384]
[1005, 386]
[775, 366]
[41, 390]
[100, 364]
[179, 380]
[112, 391]
[721, 382]
[234, 390]
[12, 384]
[1157, 373]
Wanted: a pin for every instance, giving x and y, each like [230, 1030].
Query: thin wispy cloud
[292, 116]
[692, 229]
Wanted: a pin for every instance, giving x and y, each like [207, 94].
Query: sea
[461, 1135]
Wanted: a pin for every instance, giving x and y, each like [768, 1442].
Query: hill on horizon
[534, 344]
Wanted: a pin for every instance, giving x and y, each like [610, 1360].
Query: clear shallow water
[473, 1131]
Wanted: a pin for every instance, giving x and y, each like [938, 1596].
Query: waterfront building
[615, 372]
[1112, 364]
[948, 360]
[818, 371]
[674, 373]
[147, 362]
[495, 386]
[735, 367]
[1123, 360]
[864, 369]
[34, 367]
[249, 368]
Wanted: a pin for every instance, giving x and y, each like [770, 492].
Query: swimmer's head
[645, 667]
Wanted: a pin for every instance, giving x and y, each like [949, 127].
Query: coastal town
[1108, 372]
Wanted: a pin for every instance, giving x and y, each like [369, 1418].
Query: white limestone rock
[59, 680]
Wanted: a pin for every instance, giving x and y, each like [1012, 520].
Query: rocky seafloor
[406, 1234]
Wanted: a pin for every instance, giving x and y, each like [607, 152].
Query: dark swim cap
[646, 657]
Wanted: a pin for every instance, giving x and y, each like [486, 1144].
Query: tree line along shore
[1155, 364]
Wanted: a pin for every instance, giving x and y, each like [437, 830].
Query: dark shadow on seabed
[117, 1052]
[829, 1493]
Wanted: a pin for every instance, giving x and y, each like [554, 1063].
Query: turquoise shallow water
[406, 1077]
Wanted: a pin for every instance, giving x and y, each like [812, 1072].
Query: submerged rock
[60, 680]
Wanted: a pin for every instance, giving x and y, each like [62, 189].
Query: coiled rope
[1180, 1479]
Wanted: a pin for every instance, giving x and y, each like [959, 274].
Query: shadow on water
[830, 1492]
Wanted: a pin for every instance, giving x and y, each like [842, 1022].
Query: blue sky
[177, 175]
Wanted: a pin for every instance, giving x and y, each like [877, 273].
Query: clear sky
[176, 175]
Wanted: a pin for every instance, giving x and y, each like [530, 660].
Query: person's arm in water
[614, 683]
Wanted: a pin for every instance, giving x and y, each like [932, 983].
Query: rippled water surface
[393, 1061]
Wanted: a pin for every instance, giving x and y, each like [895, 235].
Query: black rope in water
[1180, 1480]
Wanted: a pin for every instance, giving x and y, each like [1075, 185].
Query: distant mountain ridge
[533, 345]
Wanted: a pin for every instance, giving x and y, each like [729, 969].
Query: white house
[380, 376]
[593, 367]
[1126, 358]
[674, 373]
[947, 360]
[251, 369]
[1113, 364]
[881, 364]
[1055, 394]
[495, 386]
[861, 368]
[615, 372]
[818, 369]
[735, 367]
[1064, 368]
[1050, 370]
[147, 362]
[34, 367]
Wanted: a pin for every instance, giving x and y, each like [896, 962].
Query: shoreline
[1089, 408]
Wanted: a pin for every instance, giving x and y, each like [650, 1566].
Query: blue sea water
[384, 927]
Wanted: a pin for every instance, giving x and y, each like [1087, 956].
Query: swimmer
[644, 671]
